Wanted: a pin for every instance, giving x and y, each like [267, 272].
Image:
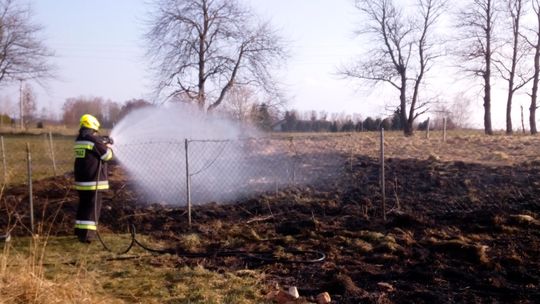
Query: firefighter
[92, 152]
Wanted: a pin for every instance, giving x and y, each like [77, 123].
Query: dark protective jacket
[90, 150]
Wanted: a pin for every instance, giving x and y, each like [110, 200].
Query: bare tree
[239, 103]
[401, 46]
[7, 111]
[511, 66]
[23, 55]
[7, 106]
[460, 110]
[28, 99]
[202, 48]
[476, 22]
[536, 68]
[106, 111]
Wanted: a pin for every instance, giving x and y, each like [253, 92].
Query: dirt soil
[455, 232]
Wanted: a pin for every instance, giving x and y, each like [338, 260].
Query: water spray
[150, 146]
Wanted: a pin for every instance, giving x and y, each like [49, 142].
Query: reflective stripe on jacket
[88, 225]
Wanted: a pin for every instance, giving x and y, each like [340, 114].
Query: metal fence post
[4, 165]
[383, 192]
[51, 148]
[188, 181]
[30, 192]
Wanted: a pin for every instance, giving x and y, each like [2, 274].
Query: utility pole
[522, 122]
[21, 104]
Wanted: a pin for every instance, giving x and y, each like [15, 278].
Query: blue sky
[100, 52]
[98, 46]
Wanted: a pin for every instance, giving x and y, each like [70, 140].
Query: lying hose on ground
[263, 256]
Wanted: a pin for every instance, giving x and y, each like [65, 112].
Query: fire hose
[310, 256]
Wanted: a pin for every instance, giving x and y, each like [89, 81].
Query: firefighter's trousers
[87, 215]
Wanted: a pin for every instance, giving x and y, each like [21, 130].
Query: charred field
[462, 224]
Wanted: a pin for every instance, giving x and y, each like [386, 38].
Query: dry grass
[23, 279]
[60, 270]
[465, 146]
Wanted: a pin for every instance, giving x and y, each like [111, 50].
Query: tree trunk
[201, 96]
[532, 108]
[487, 96]
[516, 17]
[487, 73]
[407, 126]
[511, 89]
[408, 129]
[509, 130]
[487, 103]
[532, 119]
[487, 109]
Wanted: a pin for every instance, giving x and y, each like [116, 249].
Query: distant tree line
[106, 111]
[292, 123]
[248, 112]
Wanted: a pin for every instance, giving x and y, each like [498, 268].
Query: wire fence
[217, 169]
[201, 171]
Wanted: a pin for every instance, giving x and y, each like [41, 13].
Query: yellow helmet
[90, 122]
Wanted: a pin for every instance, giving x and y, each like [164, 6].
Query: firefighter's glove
[108, 140]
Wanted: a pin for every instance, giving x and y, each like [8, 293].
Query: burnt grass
[454, 232]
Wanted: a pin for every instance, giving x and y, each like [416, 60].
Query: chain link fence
[223, 170]
[188, 171]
